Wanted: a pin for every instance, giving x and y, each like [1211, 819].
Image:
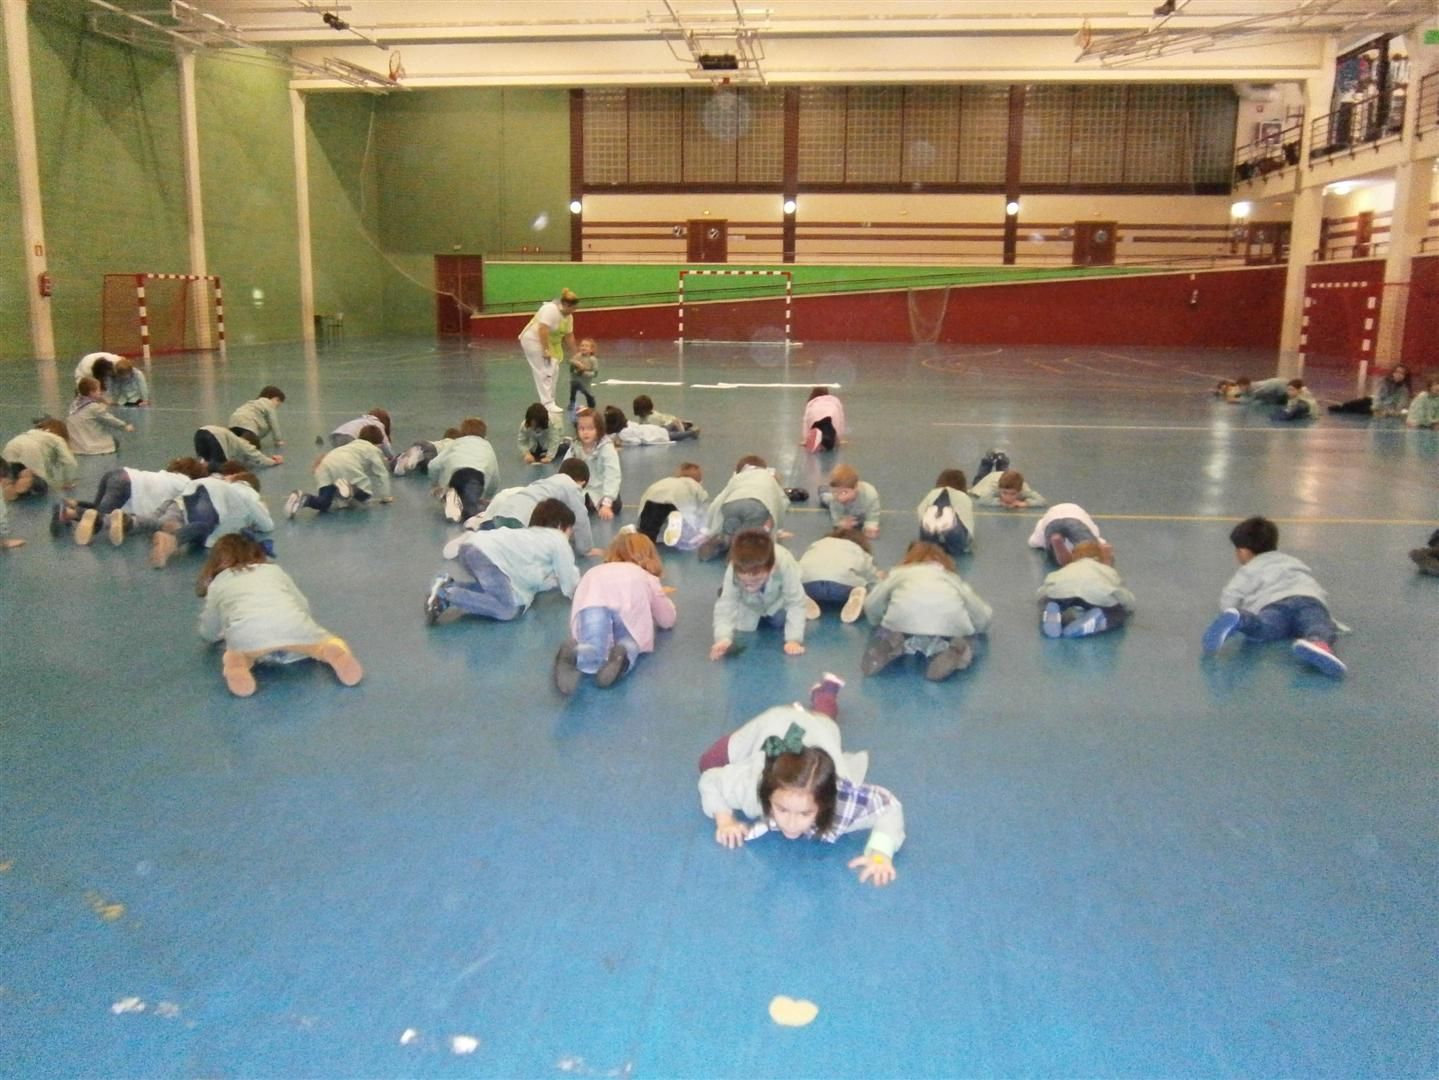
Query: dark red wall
[1341, 313]
[1239, 308]
[1421, 320]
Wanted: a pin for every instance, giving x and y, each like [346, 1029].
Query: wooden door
[708, 241]
[1363, 233]
[1094, 243]
[459, 291]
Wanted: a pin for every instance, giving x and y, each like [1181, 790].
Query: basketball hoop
[397, 67]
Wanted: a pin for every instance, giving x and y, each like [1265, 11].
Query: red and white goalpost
[148, 314]
[732, 313]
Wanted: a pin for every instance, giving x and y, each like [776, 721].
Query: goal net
[735, 307]
[152, 314]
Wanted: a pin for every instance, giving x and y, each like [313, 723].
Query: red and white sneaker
[1320, 657]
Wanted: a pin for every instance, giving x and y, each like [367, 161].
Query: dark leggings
[113, 492]
[653, 516]
[208, 449]
[826, 432]
[322, 499]
[593, 507]
[470, 483]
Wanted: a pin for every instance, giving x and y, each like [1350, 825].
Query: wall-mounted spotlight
[1240, 210]
[576, 206]
[789, 206]
[333, 21]
[1011, 208]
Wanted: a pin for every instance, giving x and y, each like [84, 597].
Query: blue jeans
[955, 541]
[490, 594]
[827, 593]
[201, 519]
[1292, 617]
[599, 629]
[1072, 529]
[744, 514]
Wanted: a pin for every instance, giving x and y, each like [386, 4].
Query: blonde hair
[1087, 549]
[843, 476]
[637, 548]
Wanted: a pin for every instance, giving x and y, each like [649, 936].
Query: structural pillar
[194, 203]
[1303, 242]
[299, 137]
[27, 159]
[1407, 225]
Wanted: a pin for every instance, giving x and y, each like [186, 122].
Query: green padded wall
[14, 313]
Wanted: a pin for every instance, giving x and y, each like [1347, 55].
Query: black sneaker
[885, 646]
[615, 665]
[797, 495]
[567, 674]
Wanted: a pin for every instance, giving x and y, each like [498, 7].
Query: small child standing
[923, 607]
[946, 514]
[786, 770]
[129, 387]
[853, 503]
[1006, 490]
[355, 472]
[37, 460]
[507, 567]
[255, 608]
[584, 366]
[1299, 403]
[823, 425]
[1272, 597]
[1086, 597]
[672, 509]
[753, 499]
[537, 440]
[761, 587]
[616, 608]
[1063, 526]
[837, 571]
[91, 421]
[260, 417]
[466, 472]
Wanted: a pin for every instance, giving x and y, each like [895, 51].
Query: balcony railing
[1276, 153]
[1355, 124]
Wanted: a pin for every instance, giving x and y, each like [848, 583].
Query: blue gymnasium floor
[1123, 860]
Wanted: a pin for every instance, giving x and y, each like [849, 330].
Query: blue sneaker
[1220, 629]
[1319, 656]
[1049, 622]
[1092, 621]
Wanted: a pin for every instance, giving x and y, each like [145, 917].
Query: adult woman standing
[544, 340]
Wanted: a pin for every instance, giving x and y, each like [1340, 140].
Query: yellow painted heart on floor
[787, 1012]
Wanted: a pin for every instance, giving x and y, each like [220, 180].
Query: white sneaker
[344, 489]
[454, 509]
[293, 502]
[674, 529]
[854, 606]
[408, 460]
[811, 608]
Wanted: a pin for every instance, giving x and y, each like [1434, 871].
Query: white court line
[1150, 427]
[759, 386]
[1199, 518]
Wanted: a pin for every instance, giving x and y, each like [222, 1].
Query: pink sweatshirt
[633, 592]
[818, 408]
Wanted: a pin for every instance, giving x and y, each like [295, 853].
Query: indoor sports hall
[1051, 237]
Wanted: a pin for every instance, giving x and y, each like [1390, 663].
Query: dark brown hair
[952, 478]
[473, 425]
[537, 417]
[245, 476]
[192, 467]
[54, 427]
[1256, 534]
[372, 434]
[272, 392]
[552, 514]
[87, 387]
[642, 405]
[750, 460]
[811, 770]
[384, 418]
[615, 420]
[854, 536]
[818, 391]
[575, 469]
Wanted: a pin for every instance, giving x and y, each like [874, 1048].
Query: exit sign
[1431, 37]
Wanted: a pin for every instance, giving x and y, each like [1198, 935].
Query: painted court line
[1153, 427]
[1425, 523]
